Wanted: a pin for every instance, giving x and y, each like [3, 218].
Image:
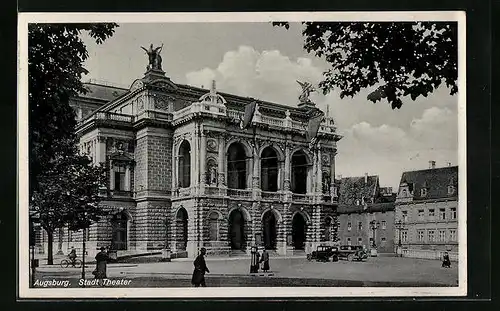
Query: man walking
[200, 267]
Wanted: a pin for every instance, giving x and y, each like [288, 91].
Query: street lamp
[374, 226]
[399, 226]
[83, 246]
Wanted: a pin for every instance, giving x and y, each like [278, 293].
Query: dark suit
[200, 267]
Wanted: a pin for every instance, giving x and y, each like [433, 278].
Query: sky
[262, 61]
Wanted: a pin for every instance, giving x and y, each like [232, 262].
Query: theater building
[427, 207]
[184, 175]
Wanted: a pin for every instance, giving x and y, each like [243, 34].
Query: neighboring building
[427, 206]
[183, 175]
[362, 203]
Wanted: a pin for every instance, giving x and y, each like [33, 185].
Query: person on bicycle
[72, 256]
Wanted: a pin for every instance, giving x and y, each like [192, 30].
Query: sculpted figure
[154, 57]
[307, 89]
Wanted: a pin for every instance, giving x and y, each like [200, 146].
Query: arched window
[300, 167]
[236, 167]
[184, 165]
[269, 170]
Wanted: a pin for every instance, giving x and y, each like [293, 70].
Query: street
[378, 271]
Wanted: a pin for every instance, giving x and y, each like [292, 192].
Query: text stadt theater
[184, 175]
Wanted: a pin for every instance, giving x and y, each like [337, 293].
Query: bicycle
[77, 263]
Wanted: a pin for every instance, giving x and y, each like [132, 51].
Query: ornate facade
[184, 175]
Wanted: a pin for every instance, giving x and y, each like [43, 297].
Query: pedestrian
[446, 261]
[200, 267]
[101, 264]
[265, 260]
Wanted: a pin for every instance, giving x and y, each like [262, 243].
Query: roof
[103, 92]
[356, 188]
[435, 180]
[369, 208]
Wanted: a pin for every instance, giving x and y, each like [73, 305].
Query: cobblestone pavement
[380, 271]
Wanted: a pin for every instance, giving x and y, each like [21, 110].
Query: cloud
[377, 139]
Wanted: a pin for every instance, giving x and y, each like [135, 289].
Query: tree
[401, 58]
[56, 54]
[68, 194]
[61, 181]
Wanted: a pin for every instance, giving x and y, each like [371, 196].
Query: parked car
[352, 252]
[324, 253]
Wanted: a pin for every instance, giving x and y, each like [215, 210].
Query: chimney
[449, 164]
[432, 164]
[366, 178]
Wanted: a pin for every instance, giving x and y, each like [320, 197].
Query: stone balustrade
[239, 193]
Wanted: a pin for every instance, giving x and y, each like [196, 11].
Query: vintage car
[324, 253]
[352, 252]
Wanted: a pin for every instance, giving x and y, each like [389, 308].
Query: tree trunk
[50, 257]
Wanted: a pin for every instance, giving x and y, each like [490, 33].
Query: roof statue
[154, 57]
[307, 89]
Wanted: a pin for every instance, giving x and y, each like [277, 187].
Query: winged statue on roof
[307, 89]
[154, 57]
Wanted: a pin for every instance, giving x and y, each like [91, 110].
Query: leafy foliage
[64, 185]
[56, 55]
[404, 58]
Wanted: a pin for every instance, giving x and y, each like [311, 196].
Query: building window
[420, 214]
[453, 235]
[371, 241]
[431, 213]
[442, 214]
[360, 226]
[384, 225]
[348, 241]
[453, 213]
[430, 235]
[442, 235]
[360, 241]
[214, 226]
[348, 226]
[405, 216]
[423, 192]
[383, 240]
[119, 178]
[404, 236]
[420, 234]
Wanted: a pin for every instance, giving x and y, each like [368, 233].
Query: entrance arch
[119, 229]
[299, 228]
[237, 229]
[269, 228]
[181, 221]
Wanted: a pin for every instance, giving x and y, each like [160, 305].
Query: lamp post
[399, 226]
[83, 247]
[374, 226]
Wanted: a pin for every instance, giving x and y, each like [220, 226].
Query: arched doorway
[298, 231]
[237, 229]
[300, 166]
[236, 167]
[119, 229]
[269, 170]
[181, 221]
[184, 165]
[269, 225]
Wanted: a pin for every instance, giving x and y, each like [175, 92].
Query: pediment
[120, 156]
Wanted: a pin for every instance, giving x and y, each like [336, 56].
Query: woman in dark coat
[446, 261]
[101, 266]
[265, 260]
[200, 267]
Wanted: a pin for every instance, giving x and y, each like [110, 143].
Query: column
[221, 164]
[111, 177]
[319, 174]
[127, 178]
[101, 149]
[193, 155]
[174, 168]
[203, 160]
[256, 169]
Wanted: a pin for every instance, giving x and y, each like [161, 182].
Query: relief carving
[212, 145]
[325, 160]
